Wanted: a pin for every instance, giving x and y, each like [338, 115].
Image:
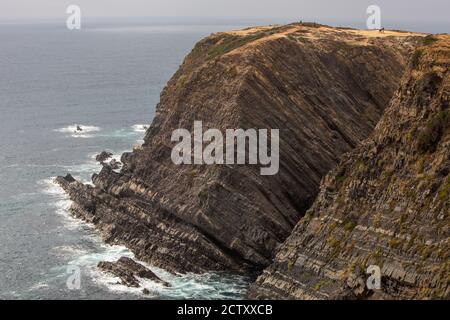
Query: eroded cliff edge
[324, 88]
[386, 204]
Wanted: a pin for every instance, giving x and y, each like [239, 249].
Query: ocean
[106, 78]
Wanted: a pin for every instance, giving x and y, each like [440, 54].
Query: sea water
[107, 79]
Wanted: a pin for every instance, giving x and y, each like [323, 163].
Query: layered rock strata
[386, 205]
[324, 88]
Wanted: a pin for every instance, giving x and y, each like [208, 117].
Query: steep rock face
[386, 204]
[323, 88]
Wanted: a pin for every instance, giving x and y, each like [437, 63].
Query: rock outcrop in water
[129, 272]
[324, 88]
[103, 156]
[387, 204]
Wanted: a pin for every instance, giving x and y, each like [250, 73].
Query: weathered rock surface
[114, 164]
[103, 156]
[387, 203]
[324, 88]
[129, 272]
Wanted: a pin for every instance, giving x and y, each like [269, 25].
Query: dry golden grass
[354, 36]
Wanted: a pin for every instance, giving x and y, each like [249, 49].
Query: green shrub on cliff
[229, 42]
[429, 39]
[349, 226]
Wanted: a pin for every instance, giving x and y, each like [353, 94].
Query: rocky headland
[324, 88]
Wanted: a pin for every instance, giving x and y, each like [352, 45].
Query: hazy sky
[409, 11]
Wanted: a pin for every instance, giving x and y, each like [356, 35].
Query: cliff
[386, 204]
[324, 88]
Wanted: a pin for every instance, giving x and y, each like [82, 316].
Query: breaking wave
[85, 132]
[140, 127]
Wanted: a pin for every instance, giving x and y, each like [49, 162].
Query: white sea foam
[140, 127]
[105, 253]
[52, 188]
[39, 286]
[75, 250]
[86, 132]
[61, 202]
[83, 172]
[73, 129]
[81, 135]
